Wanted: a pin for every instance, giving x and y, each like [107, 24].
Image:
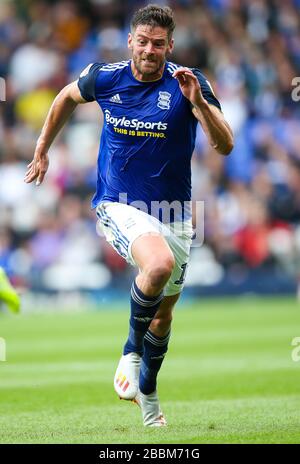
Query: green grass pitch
[228, 377]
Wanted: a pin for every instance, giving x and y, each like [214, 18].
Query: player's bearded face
[149, 46]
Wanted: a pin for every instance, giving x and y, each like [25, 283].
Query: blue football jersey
[148, 135]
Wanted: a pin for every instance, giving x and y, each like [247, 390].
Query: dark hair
[154, 15]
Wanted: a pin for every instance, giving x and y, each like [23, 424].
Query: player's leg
[8, 293]
[155, 348]
[155, 261]
[157, 337]
[161, 324]
[156, 344]
[136, 236]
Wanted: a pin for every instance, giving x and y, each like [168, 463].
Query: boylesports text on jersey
[134, 123]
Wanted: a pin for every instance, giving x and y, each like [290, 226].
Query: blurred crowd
[249, 50]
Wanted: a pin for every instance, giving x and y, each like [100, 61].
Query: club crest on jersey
[164, 100]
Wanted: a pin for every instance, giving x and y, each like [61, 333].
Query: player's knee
[160, 270]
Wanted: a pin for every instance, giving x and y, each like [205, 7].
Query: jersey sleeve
[87, 81]
[206, 89]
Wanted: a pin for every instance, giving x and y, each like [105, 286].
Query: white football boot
[126, 381]
[149, 404]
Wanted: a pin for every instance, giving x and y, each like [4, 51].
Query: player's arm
[61, 109]
[215, 126]
[210, 117]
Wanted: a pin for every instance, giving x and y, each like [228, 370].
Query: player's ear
[170, 46]
[129, 42]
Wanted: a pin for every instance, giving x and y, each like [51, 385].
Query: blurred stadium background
[232, 374]
[250, 50]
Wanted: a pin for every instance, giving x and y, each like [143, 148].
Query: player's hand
[38, 167]
[189, 86]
